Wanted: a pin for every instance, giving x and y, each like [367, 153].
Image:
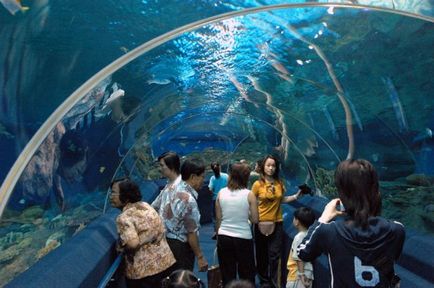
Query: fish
[116, 94]
[158, 81]
[356, 115]
[331, 123]
[13, 6]
[396, 104]
[124, 49]
[423, 135]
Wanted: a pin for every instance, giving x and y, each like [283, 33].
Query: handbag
[214, 275]
[266, 227]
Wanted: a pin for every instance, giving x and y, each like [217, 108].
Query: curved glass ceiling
[311, 84]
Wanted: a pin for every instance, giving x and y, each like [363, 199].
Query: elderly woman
[148, 258]
[362, 247]
[235, 206]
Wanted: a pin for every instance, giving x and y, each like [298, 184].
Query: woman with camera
[362, 247]
[269, 191]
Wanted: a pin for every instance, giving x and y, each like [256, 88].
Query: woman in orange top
[269, 191]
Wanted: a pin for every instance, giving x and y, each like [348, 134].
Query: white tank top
[235, 213]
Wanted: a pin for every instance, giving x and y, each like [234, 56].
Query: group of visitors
[160, 241]
[162, 238]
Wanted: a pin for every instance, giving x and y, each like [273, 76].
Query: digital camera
[305, 189]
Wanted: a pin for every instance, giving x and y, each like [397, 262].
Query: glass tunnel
[84, 102]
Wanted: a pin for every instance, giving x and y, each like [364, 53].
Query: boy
[300, 273]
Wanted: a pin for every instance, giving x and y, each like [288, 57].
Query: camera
[305, 189]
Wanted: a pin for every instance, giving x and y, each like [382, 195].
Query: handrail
[109, 274]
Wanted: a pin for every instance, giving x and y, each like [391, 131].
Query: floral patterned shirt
[153, 254]
[178, 208]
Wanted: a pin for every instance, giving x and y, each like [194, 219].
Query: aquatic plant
[325, 182]
[414, 200]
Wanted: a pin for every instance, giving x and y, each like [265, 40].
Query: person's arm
[253, 206]
[291, 198]
[331, 211]
[312, 245]
[156, 204]
[191, 217]
[218, 213]
[300, 273]
[255, 188]
[193, 241]
[127, 233]
[211, 184]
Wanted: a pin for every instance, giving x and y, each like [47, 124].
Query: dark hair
[215, 167]
[239, 283]
[238, 176]
[259, 163]
[358, 189]
[190, 167]
[172, 160]
[129, 191]
[182, 279]
[276, 172]
[305, 216]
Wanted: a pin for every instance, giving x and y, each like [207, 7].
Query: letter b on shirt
[366, 276]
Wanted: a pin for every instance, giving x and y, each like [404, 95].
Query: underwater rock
[420, 180]
[408, 205]
[47, 249]
[79, 228]
[26, 217]
[429, 208]
[9, 254]
[11, 237]
[58, 237]
[14, 250]
[32, 213]
[37, 179]
[38, 221]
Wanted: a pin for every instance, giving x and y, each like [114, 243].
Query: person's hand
[119, 246]
[331, 211]
[298, 194]
[202, 264]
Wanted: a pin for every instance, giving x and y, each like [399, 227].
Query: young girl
[300, 273]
